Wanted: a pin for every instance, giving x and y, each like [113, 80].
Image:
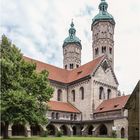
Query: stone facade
[133, 106]
[72, 56]
[103, 40]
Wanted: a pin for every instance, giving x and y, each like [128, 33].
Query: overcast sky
[38, 28]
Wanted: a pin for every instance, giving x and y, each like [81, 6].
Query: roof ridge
[44, 63]
[67, 76]
[118, 97]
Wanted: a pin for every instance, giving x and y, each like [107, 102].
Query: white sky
[38, 28]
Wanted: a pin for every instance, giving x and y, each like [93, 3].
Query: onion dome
[71, 39]
[103, 14]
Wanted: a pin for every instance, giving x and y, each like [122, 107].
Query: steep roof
[134, 94]
[67, 76]
[112, 104]
[62, 106]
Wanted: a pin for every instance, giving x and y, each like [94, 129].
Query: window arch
[101, 93]
[71, 117]
[108, 93]
[103, 49]
[96, 51]
[81, 90]
[73, 95]
[57, 115]
[53, 115]
[59, 95]
[75, 117]
[71, 66]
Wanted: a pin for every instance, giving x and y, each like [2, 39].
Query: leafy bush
[59, 134]
[45, 134]
[114, 135]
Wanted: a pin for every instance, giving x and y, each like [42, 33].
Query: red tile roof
[67, 76]
[112, 104]
[62, 106]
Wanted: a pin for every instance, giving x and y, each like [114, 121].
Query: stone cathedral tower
[103, 33]
[72, 50]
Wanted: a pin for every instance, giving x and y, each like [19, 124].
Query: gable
[104, 73]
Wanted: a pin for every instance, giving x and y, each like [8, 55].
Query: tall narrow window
[71, 66]
[108, 93]
[75, 117]
[59, 95]
[101, 93]
[65, 66]
[96, 51]
[53, 117]
[81, 90]
[110, 50]
[57, 115]
[73, 95]
[71, 117]
[103, 49]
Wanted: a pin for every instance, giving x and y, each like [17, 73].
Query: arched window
[81, 93]
[103, 49]
[110, 50]
[59, 95]
[53, 115]
[75, 117]
[57, 115]
[71, 117]
[73, 95]
[71, 66]
[96, 51]
[108, 93]
[101, 93]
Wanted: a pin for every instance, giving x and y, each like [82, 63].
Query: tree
[24, 92]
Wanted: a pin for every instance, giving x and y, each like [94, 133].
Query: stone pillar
[10, 130]
[28, 130]
[84, 133]
[70, 131]
[43, 130]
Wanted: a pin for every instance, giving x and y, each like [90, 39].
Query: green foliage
[24, 92]
[59, 134]
[45, 134]
[114, 135]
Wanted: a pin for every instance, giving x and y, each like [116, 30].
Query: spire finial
[72, 30]
[103, 6]
[72, 24]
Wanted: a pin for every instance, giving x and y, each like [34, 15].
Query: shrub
[45, 134]
[114, 135]
[59, 134]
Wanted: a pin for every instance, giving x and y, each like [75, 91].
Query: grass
[66, 138]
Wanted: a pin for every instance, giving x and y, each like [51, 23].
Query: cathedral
[86, 100]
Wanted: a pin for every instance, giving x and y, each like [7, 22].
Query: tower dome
[72, 50]
[103, 14]
[72, 38]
